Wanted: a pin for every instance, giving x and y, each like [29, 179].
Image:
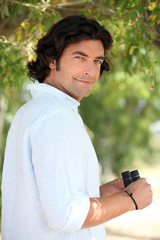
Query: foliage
[125, 101]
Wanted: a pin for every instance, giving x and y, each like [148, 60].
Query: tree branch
[155, 43]
[3, 24]
[107, 10]
[64, 5]
[59, 5]
[23, 4]
[69, 4]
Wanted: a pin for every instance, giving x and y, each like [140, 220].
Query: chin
[80, 96]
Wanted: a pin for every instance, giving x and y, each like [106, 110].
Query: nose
[90, 69]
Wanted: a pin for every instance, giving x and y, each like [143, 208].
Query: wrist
[130, 194]
[128, 201]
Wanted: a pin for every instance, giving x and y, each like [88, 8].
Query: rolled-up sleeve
[59, 167]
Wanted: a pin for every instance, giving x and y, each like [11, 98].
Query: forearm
[105, 208]
[112, 187]
[112, 205]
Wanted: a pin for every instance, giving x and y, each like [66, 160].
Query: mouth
[84, 81]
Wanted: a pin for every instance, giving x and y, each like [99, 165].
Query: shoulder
[39, 108]
[47, 111]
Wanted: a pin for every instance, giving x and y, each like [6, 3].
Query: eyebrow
[85, 55]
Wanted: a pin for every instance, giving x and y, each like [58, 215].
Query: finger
[121, 183]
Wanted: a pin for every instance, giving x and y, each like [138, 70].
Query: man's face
[80, 66]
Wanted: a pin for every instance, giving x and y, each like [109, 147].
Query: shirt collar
[38, 89]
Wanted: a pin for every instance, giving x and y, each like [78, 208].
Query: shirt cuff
[77, 213]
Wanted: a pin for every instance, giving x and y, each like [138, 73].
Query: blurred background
[122, 114]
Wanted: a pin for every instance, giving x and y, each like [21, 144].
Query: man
[50, 188]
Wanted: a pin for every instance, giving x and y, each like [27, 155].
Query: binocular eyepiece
[129, 177]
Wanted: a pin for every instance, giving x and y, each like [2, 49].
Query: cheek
[74, 70]
[97, 71]
[71, 67]
[64, 71]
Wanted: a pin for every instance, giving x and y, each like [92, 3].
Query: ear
[52, 65]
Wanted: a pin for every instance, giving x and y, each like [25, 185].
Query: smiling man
[50, 185]
[80, 66]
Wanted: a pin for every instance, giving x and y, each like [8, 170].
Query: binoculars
[129, 177]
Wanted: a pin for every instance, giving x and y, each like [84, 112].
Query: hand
[112, 187]
[142, 193]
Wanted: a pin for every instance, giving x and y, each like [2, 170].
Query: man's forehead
[86, 47]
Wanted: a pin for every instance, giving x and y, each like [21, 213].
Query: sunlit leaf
[19, 34]
[153, 85]
[131, 50]
[151, 6]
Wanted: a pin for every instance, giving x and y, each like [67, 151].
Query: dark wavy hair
[67, 31]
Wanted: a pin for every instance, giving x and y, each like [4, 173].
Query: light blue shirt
[50, 171]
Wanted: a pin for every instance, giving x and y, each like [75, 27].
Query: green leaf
[140, 8]
[156, 10]
[131, 50]
[5, 10]
[133, 15]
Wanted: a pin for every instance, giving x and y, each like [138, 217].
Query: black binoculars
[129, 177]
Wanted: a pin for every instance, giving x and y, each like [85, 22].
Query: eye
[98, 61]
[79, 57]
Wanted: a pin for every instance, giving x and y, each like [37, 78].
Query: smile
[83, 81]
